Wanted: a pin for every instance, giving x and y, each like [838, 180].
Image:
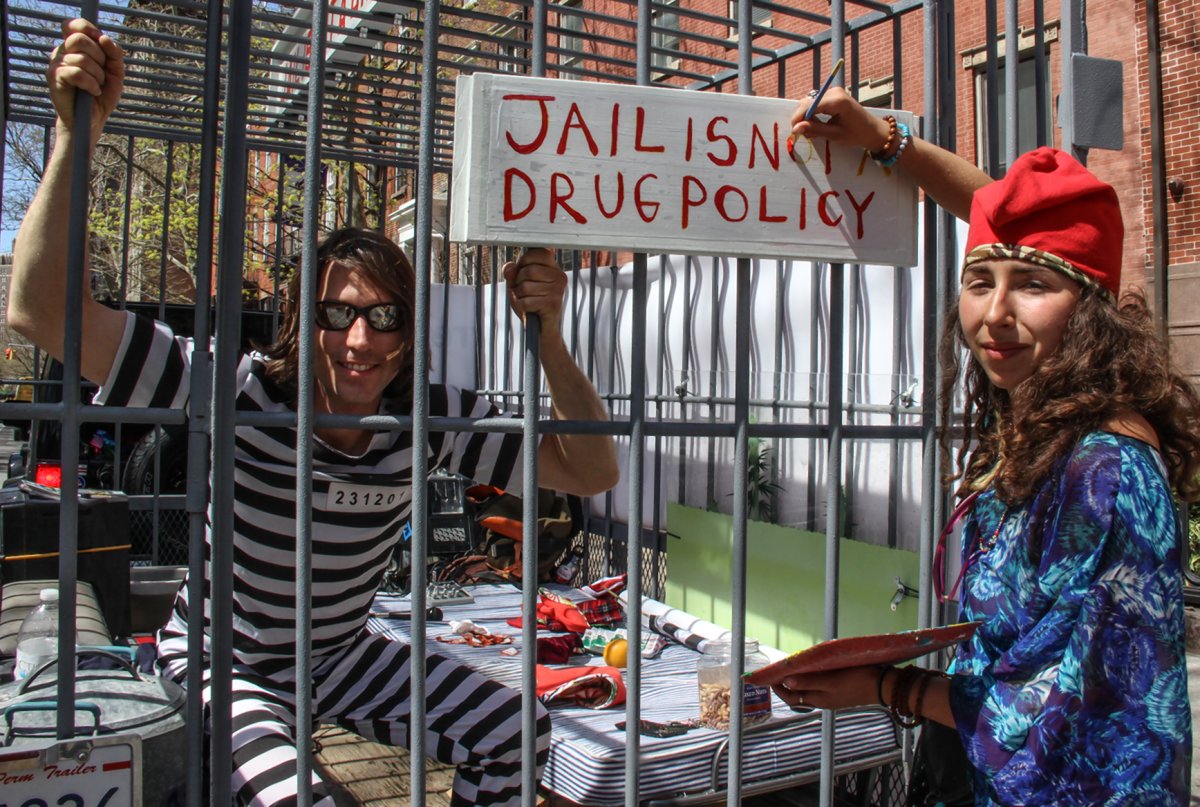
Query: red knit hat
[1050, 210]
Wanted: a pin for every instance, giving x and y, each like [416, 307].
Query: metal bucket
[108, 702]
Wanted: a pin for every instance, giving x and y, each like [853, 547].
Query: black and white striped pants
[471, 721]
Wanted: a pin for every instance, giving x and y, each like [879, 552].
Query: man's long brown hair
[1110, 360]
[382, 262]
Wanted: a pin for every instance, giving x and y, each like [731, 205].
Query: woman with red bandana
[1077, 433]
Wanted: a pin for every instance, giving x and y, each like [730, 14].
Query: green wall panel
[785, 600]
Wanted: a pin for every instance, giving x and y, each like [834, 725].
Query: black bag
[941, 773]
[499, 516]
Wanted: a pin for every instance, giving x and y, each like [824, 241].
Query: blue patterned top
[1074, 688]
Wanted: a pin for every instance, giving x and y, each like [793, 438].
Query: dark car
[136, 458]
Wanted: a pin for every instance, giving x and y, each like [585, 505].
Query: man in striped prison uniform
[363, 365]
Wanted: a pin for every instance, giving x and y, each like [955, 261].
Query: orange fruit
[615, 653]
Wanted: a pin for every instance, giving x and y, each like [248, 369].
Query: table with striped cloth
[587, 753]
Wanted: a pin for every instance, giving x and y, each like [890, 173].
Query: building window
[759, 17]
[570, 37]
[877, 93]
[975, 60]
[1026, 113]
[512, 58]
[664, 39]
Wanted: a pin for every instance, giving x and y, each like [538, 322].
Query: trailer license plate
[76, 773]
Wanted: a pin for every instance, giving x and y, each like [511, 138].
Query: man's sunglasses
[335, 316]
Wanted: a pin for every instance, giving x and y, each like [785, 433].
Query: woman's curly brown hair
[1111, 360]
[381, 261]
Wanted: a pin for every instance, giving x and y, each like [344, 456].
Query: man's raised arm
[573, 463]
[90, 62]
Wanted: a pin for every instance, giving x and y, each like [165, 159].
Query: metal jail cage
[226, 160]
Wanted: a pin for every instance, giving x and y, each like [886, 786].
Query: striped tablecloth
[587, 755]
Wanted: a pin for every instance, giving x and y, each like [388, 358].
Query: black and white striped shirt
[359, 504]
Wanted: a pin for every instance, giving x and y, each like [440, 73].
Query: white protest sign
[590, 165]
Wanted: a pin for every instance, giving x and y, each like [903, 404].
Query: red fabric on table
[603, 611]
[556, 616]
[593, 687]
[558, 649]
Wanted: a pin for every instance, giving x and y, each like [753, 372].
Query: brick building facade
[1115, 29]
[693, 41]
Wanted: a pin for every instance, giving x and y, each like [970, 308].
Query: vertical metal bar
[277, 252]
[576, 351]
[164, 236]
[815, 330]
[443, 353]
[495, 380]
[853, 72]
[1012, 60]
[741, 452]
[609, 499]
[682, 391]
[310, 275]
[507, 342]
[1074, 40]
[637, 442]
[163, 247]
[897, 63]
[899, 332]
[37, 353]
[741, 465]
[422, 253]
[574, 297]
[833, 469]
[229, 303]
[122, 294]
[200, 405]
[939, 266]
[123, 291]
[68, 537]
[993, 77]
[480, 372]
[1040, 90]
[783, 278]
[783, 281]
[1158, 172]
[637, 439]
[592, 306]
[717, 268]
[531, 387]
[666, 275]
[833, 500]
[381, 187]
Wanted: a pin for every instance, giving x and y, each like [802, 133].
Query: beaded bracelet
[901, 690]
[905, 139]
[922, 688]
[882, 153]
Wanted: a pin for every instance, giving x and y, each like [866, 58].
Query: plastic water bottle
[37, 641]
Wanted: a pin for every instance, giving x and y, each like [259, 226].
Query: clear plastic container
[37, 640]
[712, 676]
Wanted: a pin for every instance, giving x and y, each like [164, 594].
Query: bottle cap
[48, 595]
[724, 647]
